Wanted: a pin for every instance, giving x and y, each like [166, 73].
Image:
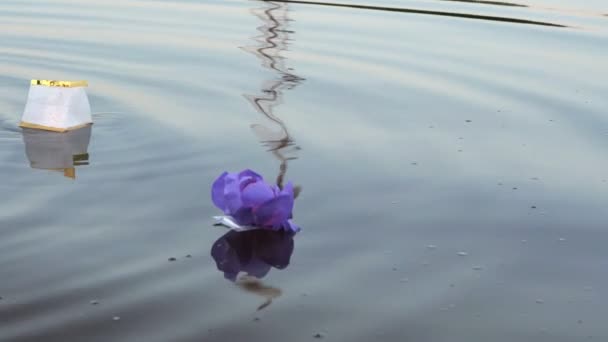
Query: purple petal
[225, 193]
[288, 190]
[287, 226]
[249, 173]
[244, 216]
[232, 194]
[256, 194]
[290, 226]
[217, 191]
[245, 182]
[274, 212]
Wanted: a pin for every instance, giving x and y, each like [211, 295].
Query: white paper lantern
[57, 151]
[57, 106]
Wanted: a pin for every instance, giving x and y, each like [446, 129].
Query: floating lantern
[57, 151]
[57, 106]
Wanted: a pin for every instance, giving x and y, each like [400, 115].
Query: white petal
[230, 223]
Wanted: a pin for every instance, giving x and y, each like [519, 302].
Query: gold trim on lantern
[62, 84]
[23, 124]
[69, 173]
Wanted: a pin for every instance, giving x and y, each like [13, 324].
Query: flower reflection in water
[253, 253]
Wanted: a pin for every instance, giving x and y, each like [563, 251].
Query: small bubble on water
[116, 318]
[94, 302]
[562, 239]
[463, 254]
[540, 301]
[431, 247]
[524, 241]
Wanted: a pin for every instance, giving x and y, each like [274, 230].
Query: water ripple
[415, 130]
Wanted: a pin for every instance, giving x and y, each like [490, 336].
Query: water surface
[451, 156]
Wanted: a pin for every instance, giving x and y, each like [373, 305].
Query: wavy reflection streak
[274, 39]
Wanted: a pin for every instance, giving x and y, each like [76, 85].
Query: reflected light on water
[57, 151]
[275, 38]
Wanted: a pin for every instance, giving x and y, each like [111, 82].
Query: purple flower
[252, 202]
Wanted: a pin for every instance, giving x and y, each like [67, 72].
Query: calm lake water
[451, 154]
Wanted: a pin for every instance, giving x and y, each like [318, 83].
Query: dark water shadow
[253, 253]
[426, 12]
